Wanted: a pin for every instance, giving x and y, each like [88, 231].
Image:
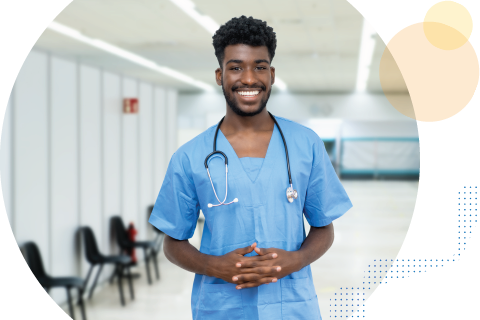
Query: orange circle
[440, 83]
[448, 25]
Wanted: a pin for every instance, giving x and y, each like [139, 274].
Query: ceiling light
[367, 46]
[280, 84]
[188, 7]
[210, 25]
[127, 55]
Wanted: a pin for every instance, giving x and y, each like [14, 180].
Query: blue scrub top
[262, 214]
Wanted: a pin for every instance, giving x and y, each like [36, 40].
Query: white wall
[64, 218]
[171, 124]
[297, 107]
[197, 112]
[6, 162]
[129, 156]
[90, 154]
[70, 157]
[112, 171]
[160, 161]
[31, 196]
[145, 152]
[332, 116]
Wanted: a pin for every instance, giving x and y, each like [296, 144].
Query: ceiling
[318, 41]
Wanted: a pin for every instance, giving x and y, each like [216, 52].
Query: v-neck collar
[265, 169]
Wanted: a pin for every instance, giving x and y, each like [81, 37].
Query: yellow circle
[448, 25]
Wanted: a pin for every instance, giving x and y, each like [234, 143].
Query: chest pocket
[230, 226]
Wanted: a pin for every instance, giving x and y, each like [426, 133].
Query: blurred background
[112, 88]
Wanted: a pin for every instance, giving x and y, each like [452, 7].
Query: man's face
[246, 78]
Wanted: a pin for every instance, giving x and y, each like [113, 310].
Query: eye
[261, 68]
[235, 68]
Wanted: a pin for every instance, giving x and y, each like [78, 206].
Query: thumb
[245, 250]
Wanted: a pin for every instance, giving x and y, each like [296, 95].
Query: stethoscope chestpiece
[291, 194]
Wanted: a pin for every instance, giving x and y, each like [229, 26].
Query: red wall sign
[130, 105]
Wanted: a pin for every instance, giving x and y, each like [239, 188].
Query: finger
[256, 283]
[251, 277]
[261, 270]
[268, 256]
[264, 251]
[244, 251]
[253, 264]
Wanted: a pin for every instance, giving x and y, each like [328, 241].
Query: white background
[449, 162]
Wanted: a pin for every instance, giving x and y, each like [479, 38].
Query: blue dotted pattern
[344, 305]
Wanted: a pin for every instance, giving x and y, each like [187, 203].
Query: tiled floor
[373, 229]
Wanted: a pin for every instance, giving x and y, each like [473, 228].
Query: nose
[249, 77]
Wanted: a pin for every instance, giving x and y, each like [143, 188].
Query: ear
[218, 76]
[272, 74]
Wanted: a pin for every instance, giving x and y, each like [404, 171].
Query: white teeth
[248, 93]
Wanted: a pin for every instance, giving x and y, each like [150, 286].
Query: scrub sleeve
[176, 209]
[326, 199]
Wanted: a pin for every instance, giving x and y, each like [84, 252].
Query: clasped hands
[246, 272]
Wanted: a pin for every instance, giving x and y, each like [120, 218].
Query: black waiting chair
[126, 244]
[34, 261]
[160, 236]
[94, 257]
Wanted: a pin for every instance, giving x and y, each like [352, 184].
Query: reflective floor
[373, 229]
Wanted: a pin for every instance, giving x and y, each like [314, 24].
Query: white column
[30, 132]
[64, 170]
[111, 148]
[90, 166]
[145, 143]
[159, 119]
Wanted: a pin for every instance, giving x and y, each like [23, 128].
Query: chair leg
[114, 274]
[70, 305]
[155, 263]
[147, 265]
[120, 285]
[80, 302]
[130, 284]
[85, 283]
[95, 282]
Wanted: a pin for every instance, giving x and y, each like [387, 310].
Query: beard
[233, 103]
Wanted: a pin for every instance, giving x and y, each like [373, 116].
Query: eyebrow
[262, 60]
[240, 61]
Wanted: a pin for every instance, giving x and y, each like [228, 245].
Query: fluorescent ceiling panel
[205, 21]
[367, 46]
[127, 55]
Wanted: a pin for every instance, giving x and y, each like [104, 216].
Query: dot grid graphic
[349, 302]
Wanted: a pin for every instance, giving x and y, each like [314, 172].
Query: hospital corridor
[375, 229]
[103, 113]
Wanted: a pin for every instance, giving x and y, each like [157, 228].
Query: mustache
[234, 88]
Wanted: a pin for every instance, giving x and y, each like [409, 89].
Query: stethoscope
[291, 193]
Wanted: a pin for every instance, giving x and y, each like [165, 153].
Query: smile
[248, 93]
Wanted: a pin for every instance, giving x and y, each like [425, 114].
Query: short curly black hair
[243, 30]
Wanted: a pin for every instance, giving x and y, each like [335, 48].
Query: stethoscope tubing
[215, 151]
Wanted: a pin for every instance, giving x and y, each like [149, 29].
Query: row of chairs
[121, 262]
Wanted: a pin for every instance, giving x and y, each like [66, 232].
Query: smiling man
[254, 260]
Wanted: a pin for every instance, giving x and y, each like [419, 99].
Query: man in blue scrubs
[254, 260]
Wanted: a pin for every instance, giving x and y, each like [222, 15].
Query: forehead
[245, 52]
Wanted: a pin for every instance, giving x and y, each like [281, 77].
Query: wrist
[300, 260]
[209, 269]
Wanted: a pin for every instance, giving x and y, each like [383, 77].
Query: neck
[234, 123]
